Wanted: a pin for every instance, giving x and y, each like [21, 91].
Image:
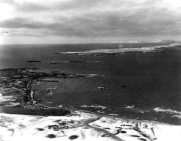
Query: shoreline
[98, 123]
[34, 103]
[102, 52]
[37, 121]
[103, 127]
[22, 80]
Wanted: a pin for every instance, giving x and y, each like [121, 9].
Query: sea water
[140, 85]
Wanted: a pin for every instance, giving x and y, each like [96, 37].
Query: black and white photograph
[90, 70]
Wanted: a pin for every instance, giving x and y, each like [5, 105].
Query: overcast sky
[73, 21]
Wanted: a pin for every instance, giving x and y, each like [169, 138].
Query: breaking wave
[6, 98]
[169, 111]
[94, 106]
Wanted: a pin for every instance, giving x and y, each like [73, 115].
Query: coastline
[101, 52]
[80, 125]
[19, 85]
[30, 119]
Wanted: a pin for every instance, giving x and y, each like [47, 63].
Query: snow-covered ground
[84, 126]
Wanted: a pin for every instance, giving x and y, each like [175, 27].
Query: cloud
[140, 23]
[92, 18]
[32, 7]
[58, 5]
[26, 6]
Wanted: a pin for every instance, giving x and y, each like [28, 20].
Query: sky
[88, 21]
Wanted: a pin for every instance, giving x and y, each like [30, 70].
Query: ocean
[132, 84]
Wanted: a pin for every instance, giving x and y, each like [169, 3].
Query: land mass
[103, 52]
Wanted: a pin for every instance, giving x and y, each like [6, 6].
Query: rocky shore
[16, 83]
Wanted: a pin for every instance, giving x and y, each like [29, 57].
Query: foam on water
[94, 106]
[6, 98]
[169, 111]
